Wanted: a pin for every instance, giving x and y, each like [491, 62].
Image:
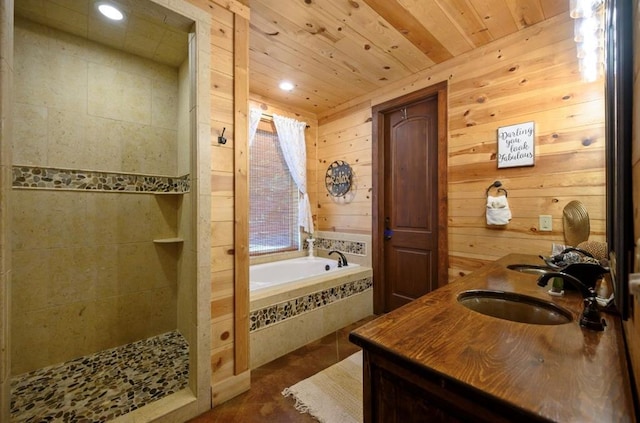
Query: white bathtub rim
[268, 296]
[298, 260]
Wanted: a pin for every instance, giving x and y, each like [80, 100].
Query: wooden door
[410, 201]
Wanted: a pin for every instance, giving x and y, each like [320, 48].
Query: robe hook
[221, 138]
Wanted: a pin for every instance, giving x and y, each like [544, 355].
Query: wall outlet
[546, 222]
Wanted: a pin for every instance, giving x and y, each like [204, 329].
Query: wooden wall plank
[525, 14]
[554, 7]
[364, 21]
[497, 18]
[412, 28]
[222, 196]
[531, 76]
[223, 7]
[241, 190]
[470, 23]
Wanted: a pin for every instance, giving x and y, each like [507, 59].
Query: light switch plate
[546, 222]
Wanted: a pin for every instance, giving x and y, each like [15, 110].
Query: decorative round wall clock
[338, 178]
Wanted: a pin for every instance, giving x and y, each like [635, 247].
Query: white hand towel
[498, 212]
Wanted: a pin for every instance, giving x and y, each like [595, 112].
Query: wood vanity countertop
[560, 373]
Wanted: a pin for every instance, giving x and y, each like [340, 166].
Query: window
[273, 196]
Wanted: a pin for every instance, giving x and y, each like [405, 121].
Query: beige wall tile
[83, 81]
[71, 276]
[104, 92]
[5, 328]
[64, 218]
[93, 247]
[74, 321]
[102, 215]
[30, 220]
[183, 123]
[66, 141]
[344, 312]
[31, 280]
[133, 316]
[187, 220]
[103, 144]
[134, 97]
[132, 224]
[107, 271]
[162, 310]
[30, 336]
[275, 341]
[107, 323]
[67, 43]
[164, 98]
[29, 134]
[161, 151]
[64, 83]
[137, 267]
[165, 219]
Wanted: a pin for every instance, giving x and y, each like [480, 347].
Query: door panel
[411, 201]
[408, 274]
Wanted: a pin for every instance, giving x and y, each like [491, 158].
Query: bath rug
[333, 395]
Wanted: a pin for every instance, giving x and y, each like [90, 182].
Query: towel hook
[498, 185]
[221, 138]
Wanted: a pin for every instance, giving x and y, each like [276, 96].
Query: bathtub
[296, 301]
[269, 275]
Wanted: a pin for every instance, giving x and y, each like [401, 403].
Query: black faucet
[342, 260]
[590, 317]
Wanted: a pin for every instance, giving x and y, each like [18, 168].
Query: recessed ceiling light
[110, 11]
[286, 86]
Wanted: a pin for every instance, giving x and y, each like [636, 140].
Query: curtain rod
[271, 117]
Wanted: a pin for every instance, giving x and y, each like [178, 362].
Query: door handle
[388, 233]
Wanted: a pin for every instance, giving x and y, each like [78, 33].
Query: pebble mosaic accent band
[264, 317]
[105, 385]
[31, 177]
[349, 247]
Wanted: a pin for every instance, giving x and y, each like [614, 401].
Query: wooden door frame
[378, 200]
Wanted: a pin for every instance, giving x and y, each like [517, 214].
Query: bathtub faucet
[342, 260]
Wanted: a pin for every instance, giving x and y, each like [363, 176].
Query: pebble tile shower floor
[105, 385]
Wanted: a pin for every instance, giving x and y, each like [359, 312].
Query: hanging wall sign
[515, 145]
[338, 178]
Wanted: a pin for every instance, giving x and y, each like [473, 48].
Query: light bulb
[110, 11]
[286, 86]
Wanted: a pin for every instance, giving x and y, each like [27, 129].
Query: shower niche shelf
[173, 240]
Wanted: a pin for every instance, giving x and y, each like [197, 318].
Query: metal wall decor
[338, 178]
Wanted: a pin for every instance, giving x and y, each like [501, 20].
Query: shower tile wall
[6, 75]
[86, 273]
[82, 105]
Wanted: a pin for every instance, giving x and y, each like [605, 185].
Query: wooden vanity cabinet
[395, 393]
[434, 360]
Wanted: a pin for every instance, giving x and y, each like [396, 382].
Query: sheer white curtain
[254, 119]
[292, 143]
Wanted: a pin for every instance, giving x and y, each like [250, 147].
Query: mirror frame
[618, 123]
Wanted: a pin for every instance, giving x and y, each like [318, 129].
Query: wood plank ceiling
[336, 50]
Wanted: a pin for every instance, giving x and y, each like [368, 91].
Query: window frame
[294, 236]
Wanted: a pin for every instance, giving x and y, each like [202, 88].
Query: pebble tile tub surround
[264, 317]
[344, 246]
[102, 386]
